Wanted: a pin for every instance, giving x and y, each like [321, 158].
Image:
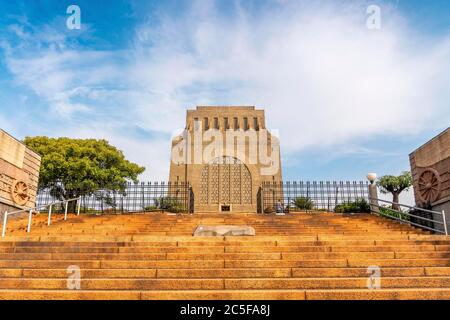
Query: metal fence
[310, 195]
[136, 197]
[177, 197]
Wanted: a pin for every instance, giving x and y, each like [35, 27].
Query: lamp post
[373, 192]
[371, 177]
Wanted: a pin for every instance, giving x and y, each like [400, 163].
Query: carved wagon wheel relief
[19, 192]
[429, 186]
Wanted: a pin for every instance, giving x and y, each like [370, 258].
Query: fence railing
[135, 197]
[177, 197]
[64, 203]
[311, 195]
[426, 219]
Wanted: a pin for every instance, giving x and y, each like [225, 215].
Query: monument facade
[19, 174]
[430, 169]
[225, 153]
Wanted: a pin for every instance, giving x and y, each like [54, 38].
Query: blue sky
[346, 100]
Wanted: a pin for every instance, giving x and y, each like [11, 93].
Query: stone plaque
[223, 230]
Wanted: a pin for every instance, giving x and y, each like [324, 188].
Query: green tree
[77, 167]
[395, 185]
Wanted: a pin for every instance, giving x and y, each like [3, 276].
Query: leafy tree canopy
[395, 185]
[74, 167]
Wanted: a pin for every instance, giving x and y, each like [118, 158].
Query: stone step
[349, 294]
[379, 294]
[156, 256]
[188, 238]
[226, 273]
[225, 284]
[26, 294]
[399, 262]
[222, 249]
[218, 263]
[337, 263]
[214, 242]
[285, 256]
[336, 283]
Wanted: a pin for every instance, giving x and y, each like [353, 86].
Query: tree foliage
[391, 184]
[357, 206]
[75, 167]
[395, 185]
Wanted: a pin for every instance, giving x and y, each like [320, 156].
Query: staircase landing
[297, 256]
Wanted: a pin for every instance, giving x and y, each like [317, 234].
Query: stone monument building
[19, 174]
[430, 168]
[225, 153]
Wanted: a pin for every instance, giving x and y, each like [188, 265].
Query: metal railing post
[4, 224]
[65, 210]
[29, 220]
[79, 206]
[445, 222]
[49, 215]
[262, 199]
[188, 208]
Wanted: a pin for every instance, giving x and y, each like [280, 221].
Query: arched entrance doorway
[225, 180]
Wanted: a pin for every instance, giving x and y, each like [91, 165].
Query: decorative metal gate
[226, 180]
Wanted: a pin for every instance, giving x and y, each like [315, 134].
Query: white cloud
[321, 75]
[56, 76]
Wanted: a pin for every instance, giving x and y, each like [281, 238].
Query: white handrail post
[49, 215]
[79, 206]
[4, 224]
[445, 222]
[65, 210]
[29, 220]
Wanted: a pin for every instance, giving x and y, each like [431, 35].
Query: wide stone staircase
[154, 256]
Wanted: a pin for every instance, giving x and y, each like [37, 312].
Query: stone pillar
[373, 194]
[262, 123]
